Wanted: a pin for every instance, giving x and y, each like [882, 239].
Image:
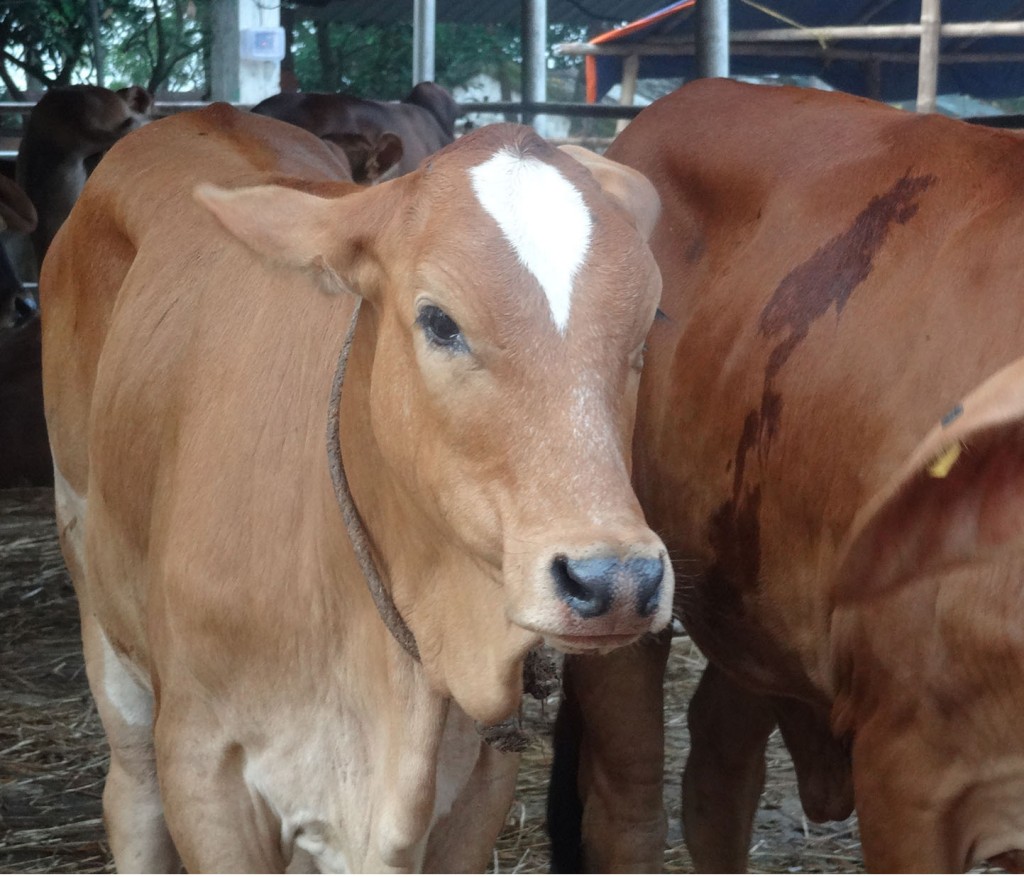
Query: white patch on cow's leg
[132, 700]
[70, 508]
[132, 806]
[544, 218]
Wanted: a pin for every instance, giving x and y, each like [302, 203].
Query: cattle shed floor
[53, 755]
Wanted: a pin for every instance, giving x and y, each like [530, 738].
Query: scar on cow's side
[832, 274]
[828, 277]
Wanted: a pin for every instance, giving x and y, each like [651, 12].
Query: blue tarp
[893, 79]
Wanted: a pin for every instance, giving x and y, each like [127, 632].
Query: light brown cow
[260, 714]
[822, 446]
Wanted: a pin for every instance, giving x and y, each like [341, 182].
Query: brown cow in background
[66, 135]
[830, 439]
[380, 139]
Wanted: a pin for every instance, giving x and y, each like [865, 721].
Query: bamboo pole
[928, 66]
[777, 50]
[630, 75]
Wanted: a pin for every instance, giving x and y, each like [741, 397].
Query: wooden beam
[630, 75]
[776, 50]
[825, 34]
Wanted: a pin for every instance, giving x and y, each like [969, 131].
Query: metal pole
[424, 27]
[535, 49]
[928, 64]
[712, 49]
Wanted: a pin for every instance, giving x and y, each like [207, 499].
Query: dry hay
[53, 756]
[52, 753]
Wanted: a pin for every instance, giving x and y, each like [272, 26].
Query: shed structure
[891, 50]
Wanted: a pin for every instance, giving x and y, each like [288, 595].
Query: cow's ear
[369, 161]
[628, 187]
[328, 228]
[138, 99]
[958, 500]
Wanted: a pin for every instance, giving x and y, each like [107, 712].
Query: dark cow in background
[380, 139]
[66, 135]
[830, 440]
[17, 217]
[24, 449]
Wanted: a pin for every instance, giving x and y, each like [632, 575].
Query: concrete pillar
[248, 44]
[424, 27]
[712, 49]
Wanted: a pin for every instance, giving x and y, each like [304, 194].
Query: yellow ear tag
[944, 462]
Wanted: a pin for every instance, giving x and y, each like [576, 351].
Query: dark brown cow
[66, 135]
[830, 439]
[17, 217]
[381, 140]
[24, 449]
[260, 711]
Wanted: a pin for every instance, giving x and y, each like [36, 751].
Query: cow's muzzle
[589, 586]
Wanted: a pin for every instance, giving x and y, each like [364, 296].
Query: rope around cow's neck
[540, 675]
[386, 607]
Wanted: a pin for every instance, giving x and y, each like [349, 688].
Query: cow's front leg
[908, 799]
[219, 823]
[463, 840]
[724, 774]
[613, 707]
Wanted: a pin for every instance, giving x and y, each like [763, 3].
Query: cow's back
[129, 202]
[819, 274]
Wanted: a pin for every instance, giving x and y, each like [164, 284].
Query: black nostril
[586, 585]
[646, 573]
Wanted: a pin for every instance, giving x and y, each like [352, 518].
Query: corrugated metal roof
[596, 13]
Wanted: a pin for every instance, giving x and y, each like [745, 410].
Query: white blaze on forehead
[544, 218]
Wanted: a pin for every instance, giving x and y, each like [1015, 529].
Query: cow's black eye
[440, 329]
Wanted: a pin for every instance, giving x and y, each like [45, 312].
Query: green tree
[376, 61]
[44, 42]
[155, 43]
[158, 43]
